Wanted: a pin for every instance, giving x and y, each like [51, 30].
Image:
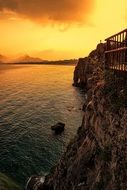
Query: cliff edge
[96, 159]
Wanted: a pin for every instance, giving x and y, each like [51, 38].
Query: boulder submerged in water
[58, 128]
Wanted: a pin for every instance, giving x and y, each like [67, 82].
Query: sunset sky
[54, 29]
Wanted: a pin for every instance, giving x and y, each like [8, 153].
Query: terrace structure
[116, 52]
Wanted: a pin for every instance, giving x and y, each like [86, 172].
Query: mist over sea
[32, 99]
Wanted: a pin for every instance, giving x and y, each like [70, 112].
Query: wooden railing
[116, 52]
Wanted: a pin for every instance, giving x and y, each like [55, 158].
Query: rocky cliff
[85, 67]
[96, 159]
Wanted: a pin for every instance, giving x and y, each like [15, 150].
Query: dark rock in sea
[58, 128]
[35, 183]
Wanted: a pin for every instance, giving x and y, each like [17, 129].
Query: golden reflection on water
[37, 74]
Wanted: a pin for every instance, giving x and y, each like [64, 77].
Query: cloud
[59, 11]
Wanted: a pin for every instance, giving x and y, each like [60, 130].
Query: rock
[84, 107]
[83, 69]
[58, 128]
[35, 183]
[86, 66]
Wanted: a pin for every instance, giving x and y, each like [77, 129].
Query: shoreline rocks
[35, 183]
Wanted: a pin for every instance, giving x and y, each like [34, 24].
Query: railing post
[126, 50]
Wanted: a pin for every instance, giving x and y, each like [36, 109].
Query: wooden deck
[116, 52]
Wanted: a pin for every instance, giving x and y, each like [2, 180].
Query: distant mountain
[28, 59]
[2, 59]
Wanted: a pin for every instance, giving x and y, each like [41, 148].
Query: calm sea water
[32, 98]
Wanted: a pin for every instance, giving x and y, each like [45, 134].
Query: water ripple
[32, 98]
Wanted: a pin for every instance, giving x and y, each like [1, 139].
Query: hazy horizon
[54, 30]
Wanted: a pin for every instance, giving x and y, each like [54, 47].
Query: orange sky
[54, 29]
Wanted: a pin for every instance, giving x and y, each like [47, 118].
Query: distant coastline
[60, 62]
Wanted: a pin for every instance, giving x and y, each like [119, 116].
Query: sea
[32, 99]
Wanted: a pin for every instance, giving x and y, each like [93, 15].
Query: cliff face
[96, 159]
[86, 66]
